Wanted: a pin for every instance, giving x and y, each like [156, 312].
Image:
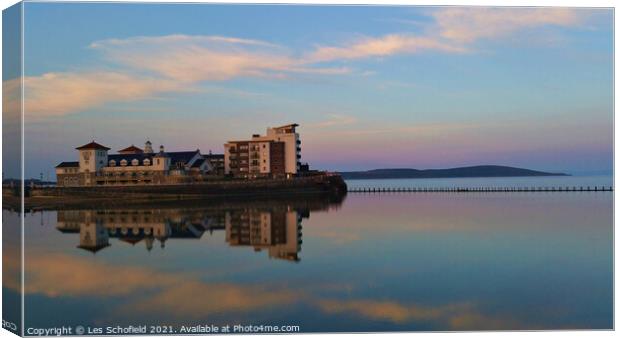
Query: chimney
[161, 148]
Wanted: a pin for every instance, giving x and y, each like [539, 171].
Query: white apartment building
[277, 153]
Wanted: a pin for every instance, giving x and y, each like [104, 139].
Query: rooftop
[287, 126]
[92, 145]
[68, 165]
[132, 149]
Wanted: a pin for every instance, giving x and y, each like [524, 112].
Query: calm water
[435, 261]
[485, 182]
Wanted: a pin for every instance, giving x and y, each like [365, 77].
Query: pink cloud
[467, 24]
[188, 58]
[382, 46]
[57, 94]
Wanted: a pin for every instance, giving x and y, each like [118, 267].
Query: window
[112, 163]
[123, 163]
[147, 161]
[135, 162]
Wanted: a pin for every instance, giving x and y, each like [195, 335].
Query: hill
[475, 171]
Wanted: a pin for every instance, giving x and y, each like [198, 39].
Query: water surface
[425, 261]
[487, 182]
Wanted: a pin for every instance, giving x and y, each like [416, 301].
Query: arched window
[147, 161]
[123, 163]
[135, 162]
[112, 163]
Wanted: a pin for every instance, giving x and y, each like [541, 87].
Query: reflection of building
[93, 237]
[275, 229]
[133, 226]
[275, 154]
[133, 165]
[278, 231]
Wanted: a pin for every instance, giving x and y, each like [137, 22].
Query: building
[131, 166]
[277, 153]
[217, 163]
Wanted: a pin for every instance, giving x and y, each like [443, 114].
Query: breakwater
[221, 189]
[480, 189]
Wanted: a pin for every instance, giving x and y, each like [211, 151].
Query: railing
[480, 189]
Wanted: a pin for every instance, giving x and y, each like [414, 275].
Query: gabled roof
[92, 145]
[181, 156]
[198, 163]
[68, 165]
[131, 148]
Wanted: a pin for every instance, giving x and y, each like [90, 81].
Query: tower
[148, 147]
[93, 157]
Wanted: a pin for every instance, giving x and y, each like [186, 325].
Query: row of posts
[483, 189]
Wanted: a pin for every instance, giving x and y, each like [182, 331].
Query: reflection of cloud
[181, 296]
[477, 321]
[183, 300]
[467, 24]
[11, 268]
[458, 316]
[338, 237]
[63, 275]
[392, 311]
[170, 294]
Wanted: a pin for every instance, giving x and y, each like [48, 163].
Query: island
[473, 171]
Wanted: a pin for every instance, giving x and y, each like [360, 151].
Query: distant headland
[473, 171]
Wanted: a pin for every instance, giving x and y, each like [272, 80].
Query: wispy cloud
[206, 58]
[452, 31]
[334, 120]
[468, 24]
[145, 66]
[57, 94]
[382, 46]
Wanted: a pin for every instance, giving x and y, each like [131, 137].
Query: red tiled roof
[92, 145]
[131, 148]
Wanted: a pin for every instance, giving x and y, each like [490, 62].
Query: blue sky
[371, 86]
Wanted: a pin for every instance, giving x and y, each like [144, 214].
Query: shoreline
[59, 197]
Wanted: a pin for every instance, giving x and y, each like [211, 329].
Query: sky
[370, 86]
